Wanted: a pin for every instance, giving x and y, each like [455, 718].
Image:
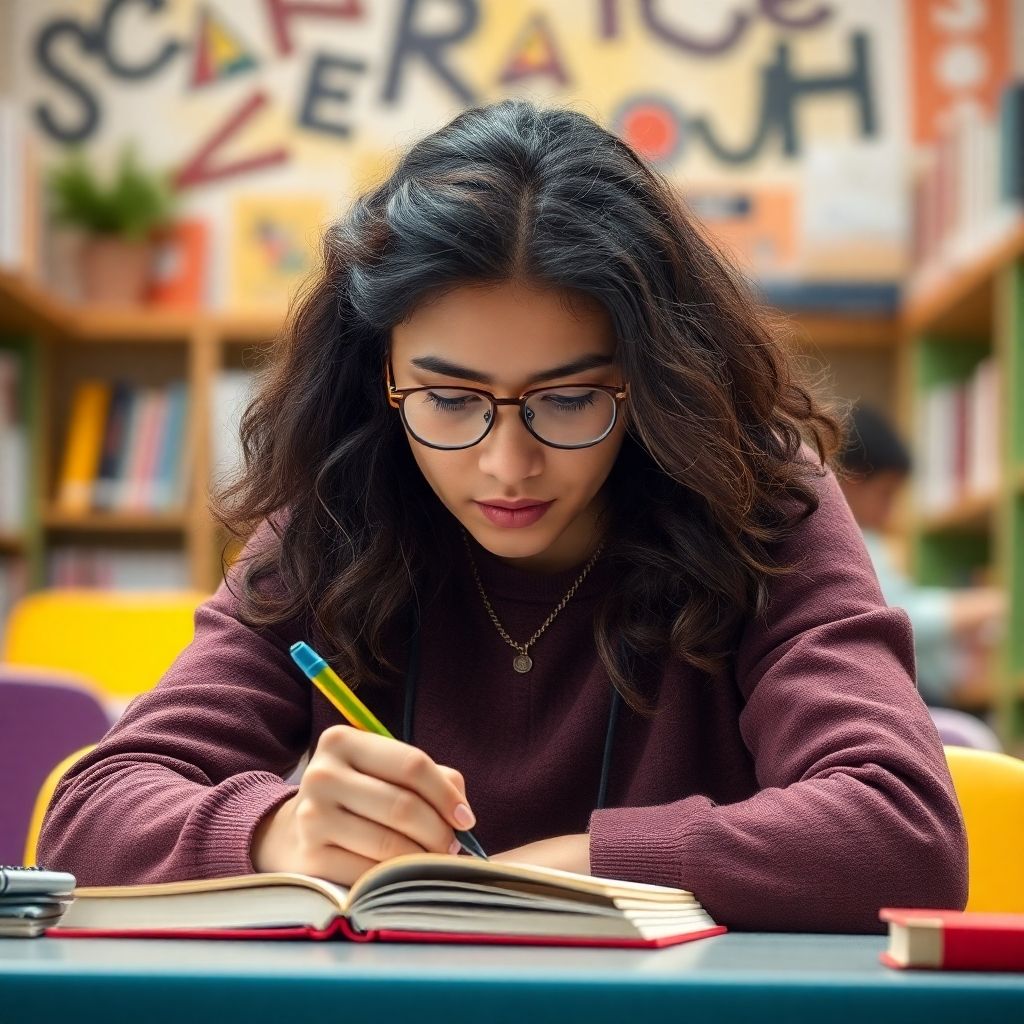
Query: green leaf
[135, 203]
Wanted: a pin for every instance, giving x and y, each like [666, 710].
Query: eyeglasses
[568, 416]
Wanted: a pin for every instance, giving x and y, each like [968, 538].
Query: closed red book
[954, 940]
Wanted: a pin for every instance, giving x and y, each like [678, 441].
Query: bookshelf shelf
[960, 303]
[964, 335]
[830, 331]
[26, 307]
[115, 522]
[11, 544]
[246, 328]
[972, 513]
[131, 325]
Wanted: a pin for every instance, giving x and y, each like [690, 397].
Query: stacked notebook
[32, 900]
[420, 897]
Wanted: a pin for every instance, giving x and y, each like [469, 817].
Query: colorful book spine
[969, 188]
[105, 491]
[153, 444]
[959, 439]
[143, 449]
[84, 445]
[167, 491]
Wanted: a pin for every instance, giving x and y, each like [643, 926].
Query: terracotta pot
[115, 271]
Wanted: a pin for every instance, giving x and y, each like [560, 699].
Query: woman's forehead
[476, 325]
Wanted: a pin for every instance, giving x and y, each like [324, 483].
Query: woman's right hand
[363, 799]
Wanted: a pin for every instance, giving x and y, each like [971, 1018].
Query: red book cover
[953, 940]
[341, 929]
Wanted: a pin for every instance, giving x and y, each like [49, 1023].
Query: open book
[420, 897]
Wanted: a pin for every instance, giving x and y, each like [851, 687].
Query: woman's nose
[509, 452]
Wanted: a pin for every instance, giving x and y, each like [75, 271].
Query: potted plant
[117, 221]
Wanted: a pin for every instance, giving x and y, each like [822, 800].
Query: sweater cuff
[644, 844]
[224, 827]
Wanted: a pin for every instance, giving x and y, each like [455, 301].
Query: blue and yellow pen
[334, 689]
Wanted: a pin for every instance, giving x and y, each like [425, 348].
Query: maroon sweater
[803, 792]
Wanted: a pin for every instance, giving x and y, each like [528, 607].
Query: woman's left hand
[568, 853]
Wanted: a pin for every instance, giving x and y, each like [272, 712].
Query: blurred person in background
[955, 628]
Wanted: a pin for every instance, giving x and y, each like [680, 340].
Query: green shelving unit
[976, 313]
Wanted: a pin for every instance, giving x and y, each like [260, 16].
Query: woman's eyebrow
[435, 364]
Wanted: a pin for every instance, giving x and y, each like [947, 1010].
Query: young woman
[531, 470]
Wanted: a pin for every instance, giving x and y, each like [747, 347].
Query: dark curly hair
[711, 473]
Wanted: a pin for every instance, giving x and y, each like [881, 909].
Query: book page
[440, 867]
[272, 899]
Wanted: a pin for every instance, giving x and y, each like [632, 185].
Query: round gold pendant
[522, 663]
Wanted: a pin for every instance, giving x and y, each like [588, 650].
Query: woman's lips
[514, 517]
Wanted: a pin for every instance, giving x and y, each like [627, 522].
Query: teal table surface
[727, 978]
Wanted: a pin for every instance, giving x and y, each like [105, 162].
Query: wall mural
[789, 125]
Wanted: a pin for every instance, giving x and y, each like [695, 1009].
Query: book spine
[118, 488]
[142, 424]
[153, 440]
[82, 448]
[167, 488]
[104, 493]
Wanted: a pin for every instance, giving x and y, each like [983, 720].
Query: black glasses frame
[397, 397]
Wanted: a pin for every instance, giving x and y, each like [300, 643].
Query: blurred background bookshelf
[865, 167]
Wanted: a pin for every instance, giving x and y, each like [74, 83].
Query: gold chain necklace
[522, 662]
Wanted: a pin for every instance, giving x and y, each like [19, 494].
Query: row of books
[959, 440]
[13, 445]
[117, 568]
[125, 448]
[969, 190]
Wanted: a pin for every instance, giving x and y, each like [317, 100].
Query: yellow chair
[43, 798]
[990, 788]
[123, 641]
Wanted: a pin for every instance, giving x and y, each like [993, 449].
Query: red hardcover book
[416, 898]
[954, 940]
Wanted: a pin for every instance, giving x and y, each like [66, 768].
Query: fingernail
[456, 846]
[464, 816]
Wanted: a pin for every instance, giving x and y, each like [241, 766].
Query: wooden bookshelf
[115, 522]
[977, 311]
[25, 306]
[196, 345]
[961, 302]
[832, 331]
[971, 513]
[153, 345]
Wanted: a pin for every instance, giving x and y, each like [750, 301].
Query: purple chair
[960, 729]
[44, 717]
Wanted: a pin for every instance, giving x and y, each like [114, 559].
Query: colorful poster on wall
[791, 123]
[273, 245]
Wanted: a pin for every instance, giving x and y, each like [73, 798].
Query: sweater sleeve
[855, 808]
[176, 788]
